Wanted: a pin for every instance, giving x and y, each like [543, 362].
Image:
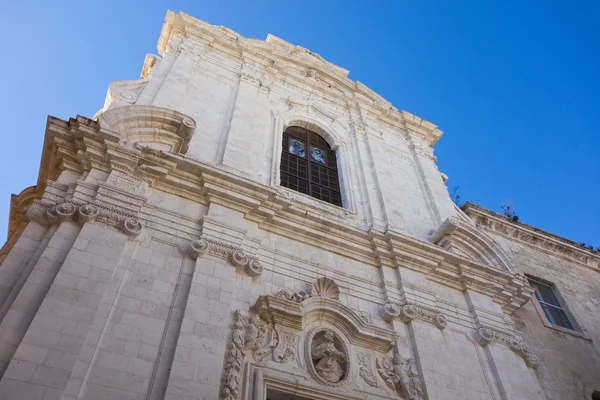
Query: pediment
[468, 242]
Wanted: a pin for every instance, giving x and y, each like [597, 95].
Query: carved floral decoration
[256, 338]
[364, 370]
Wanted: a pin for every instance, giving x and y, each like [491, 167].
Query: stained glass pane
[318, 155]
[297, 148]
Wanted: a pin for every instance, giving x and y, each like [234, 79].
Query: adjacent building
[245, 222]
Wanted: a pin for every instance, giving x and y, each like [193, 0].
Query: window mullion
[310, 189]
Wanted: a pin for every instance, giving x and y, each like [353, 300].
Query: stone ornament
[127, 183]
[234, 254]
[389, 311]
[365, 371]
[254, 337]
[132, 227]
[198, 248]
[562, 248]
[288, 346]
[486, 335]
[325, 287]
[297, 297]
[238, 258]
[234, 360]
[328, 355]
[65, 211]
[50, 214]
[401, 376]
[409, 311]
[254, 268]
[87, 213]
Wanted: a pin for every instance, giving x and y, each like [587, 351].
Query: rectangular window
[547, 296]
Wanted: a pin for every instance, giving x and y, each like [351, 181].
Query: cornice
[50, 214]
[276, 58]
[82, 144]
[484, 335]
[533, 237]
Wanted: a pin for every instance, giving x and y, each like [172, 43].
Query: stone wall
[164, 261]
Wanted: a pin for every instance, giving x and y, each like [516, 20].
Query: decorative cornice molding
[82, 144]
[485, 335]
[297, 310]
[234, 254]
[534, 237]
[465, 240]
[184, 33]
[50, 214]
[408, 311]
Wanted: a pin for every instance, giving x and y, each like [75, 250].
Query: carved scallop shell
[327, 288]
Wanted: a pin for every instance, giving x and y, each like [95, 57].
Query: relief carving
[234, 254]
[401, 376]
[365, 370]
[234, 360]
[486, 335]
[409, 311]
[322, 287]
[50, 214]
[249, 335]
[328, 359]
[288, 346]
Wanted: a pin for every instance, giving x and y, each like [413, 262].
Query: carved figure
[328, 359]
[408, 377]
[401, 376]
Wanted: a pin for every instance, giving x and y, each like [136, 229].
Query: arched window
[308, 165]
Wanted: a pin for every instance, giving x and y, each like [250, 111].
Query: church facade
[244, 222]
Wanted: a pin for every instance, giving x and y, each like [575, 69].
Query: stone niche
[310, 345]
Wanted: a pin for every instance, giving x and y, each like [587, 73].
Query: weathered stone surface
[166, 261]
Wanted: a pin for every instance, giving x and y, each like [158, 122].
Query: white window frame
[537, 303]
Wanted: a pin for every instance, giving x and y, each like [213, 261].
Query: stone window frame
[341, 152]
[577, 331]
[312, 169]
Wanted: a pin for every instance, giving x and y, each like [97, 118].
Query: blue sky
[514, 85]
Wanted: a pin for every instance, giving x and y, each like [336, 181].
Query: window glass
[547, 297]
[315, 173]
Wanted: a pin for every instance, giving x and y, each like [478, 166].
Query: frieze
[50, 214]
[234, 254]
[408, 311]
[127, 183]
[485, 335]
